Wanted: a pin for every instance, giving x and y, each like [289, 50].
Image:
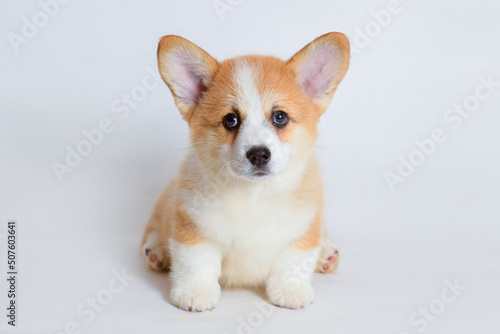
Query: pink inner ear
[316, 74]
[188, 75]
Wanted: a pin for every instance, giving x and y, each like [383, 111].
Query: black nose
[259, 155]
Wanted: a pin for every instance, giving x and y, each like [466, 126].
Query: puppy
[246, 208]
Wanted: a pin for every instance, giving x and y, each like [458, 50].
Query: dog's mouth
[251, 173]
[260, 173]
[255, 175]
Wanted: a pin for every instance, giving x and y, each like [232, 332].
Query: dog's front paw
[292, 297]
[196, 297]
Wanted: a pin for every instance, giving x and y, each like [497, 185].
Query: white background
[398, 247]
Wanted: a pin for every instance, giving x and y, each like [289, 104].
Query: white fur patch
[289, 284]
[255, 130]
[195, 273]
[250, 222]
[248, 94]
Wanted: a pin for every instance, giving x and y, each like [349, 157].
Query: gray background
[399, 246]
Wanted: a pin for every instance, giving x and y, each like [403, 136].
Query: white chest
[251, 227]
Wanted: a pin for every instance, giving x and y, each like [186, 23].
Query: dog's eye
[280, 119]
[231, 121]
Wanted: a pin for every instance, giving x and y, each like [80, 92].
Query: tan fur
[310, 191]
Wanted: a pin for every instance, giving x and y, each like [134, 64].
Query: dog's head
[253, 116]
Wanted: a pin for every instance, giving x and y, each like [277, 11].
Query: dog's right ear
[320, 66]
[186, 69]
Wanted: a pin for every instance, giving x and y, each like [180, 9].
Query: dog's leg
[289, 283]
[329, 255]
[195, 275]
[154, 246]
[154, 251]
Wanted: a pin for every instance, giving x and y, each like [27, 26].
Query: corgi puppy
[246, 208]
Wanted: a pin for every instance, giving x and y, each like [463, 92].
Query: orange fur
[310, 192]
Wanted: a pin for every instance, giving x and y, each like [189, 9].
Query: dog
[246, 208]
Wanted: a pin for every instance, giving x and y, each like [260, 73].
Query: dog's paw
[196, 299]
[291, 297]
[154, 256]
[328, 260]
[155, 260]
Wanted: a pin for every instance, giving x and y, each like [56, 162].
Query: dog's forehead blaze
[249, 82]
[279, 91]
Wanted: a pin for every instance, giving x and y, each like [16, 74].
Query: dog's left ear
[186, 69]
[320, 66]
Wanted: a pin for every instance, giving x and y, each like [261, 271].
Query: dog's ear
[320, 66]
[186, 69]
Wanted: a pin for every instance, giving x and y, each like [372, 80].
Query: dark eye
[280, 119]
[231, 121]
